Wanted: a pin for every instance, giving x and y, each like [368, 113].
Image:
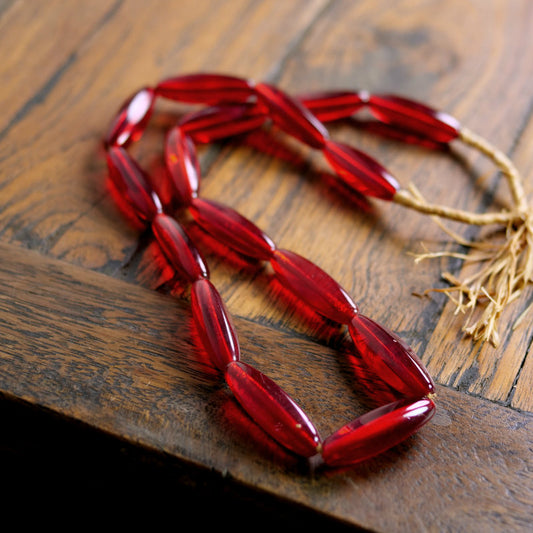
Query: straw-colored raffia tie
[506, 267]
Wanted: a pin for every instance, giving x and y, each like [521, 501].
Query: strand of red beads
[243, 106]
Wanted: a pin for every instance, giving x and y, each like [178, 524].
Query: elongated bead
[132, 184]
[291, 116]
[214, 324]
[130, 122]
[399, 133]
[178, 248]
[360, 171]
[182, 165]
[232, 229]
[334, 105]
[390, 357]
[414, 116]
[210, 89]
[272, 409]
[314, 286]
[215, 123]
[376, 431]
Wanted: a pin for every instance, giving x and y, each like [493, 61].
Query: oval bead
[390, 357]
[232, 229]
[178, 248]
[314, 286]
[376, 431]
[214, 324]
[414, 116]
[132, 118]
[272, 409]
[398, 133]
[334, 105]
[132, 183]
[215, 123]
[291, 116]
[210, 89]
[182, 165]
[360, 171]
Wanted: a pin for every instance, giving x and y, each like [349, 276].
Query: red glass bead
[132, 183]
[312, 285]
[399, 133]
[210, 89]
[214, 324]
[414, 116]
[182, 165]
[360, 171]
[376, 431]
[178, 248]
[291, 116]
[232, 229]
[130, 122]
[390, 357]
[216, 123]
[272, 409]
[334, 105]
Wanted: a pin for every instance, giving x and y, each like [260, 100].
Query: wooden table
[100, 378]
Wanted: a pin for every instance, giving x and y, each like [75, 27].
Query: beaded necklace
[238, 106]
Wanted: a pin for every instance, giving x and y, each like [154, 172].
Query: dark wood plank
[121, 359]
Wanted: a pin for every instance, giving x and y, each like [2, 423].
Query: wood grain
[78, 341]
[121, 358]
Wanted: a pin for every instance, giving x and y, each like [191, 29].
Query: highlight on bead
[376, 431]
[241, 106]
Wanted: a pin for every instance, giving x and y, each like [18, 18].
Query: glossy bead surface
[131, 182]
[414, 116]
[399, 133]
[178, 248]
[182, 165]
[232, 229]
[376, 431]
[214, 324]
[334, 105]
[206, 89]
[291, 116]
[132, 118]
[360, 171]
[272, 409]
[215, 123]
[314, 286]
[390, 357]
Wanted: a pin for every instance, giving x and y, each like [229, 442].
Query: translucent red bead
[131, 120]
[273, 409]
[334, 105]
[215, 123]
[212, 89]
[182, 165]
[232, 229]
[178, 248]
[414, 116]
[390, 357]
[314, 286]
[360, 171]
[376, 431]
[291, 116]
[214, 324]
[130, 180]
[241, 106]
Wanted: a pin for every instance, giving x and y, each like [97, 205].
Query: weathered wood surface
[75, 341]
[120, 358]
